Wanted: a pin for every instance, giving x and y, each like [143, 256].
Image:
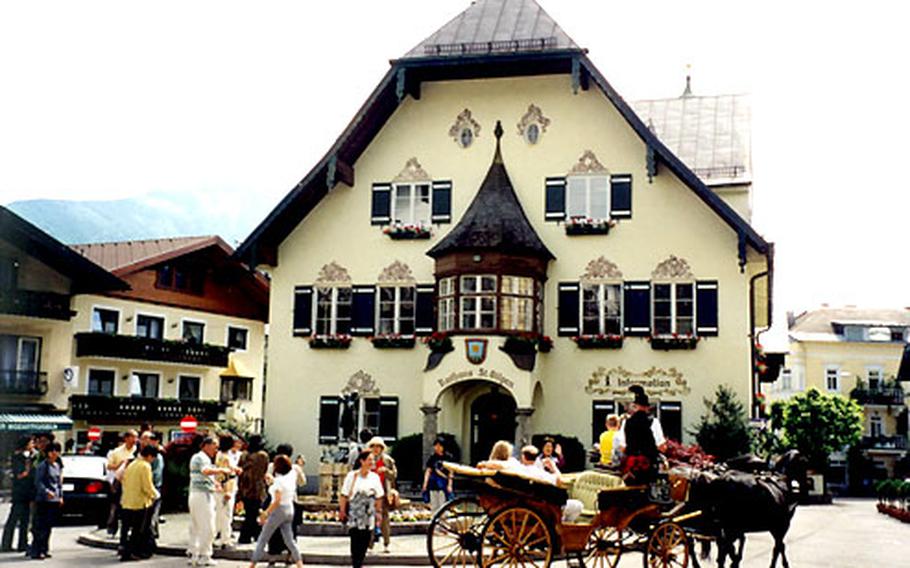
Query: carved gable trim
[673, 268]
[600, 270]
[333, 274]
[397, 273]
[588, 164]
[361, 383]
[412, 172]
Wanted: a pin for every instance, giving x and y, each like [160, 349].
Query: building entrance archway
[493, 418]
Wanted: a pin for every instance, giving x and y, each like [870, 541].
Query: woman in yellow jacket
[136, 500]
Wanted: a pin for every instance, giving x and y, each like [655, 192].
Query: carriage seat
[586, 487]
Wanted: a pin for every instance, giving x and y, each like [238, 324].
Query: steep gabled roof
[495, 219]
[495, 26]
[404, 79]
[86, 276]
[128, 256]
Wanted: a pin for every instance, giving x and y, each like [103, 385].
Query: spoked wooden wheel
[516, 536]
[453, 538]
[668, 547]
[604, 548]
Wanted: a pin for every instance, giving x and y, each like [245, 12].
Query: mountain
[229, 215]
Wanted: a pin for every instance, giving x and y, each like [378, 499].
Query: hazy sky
[114, 99]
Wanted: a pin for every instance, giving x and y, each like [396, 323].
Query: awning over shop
[28, 422]
[235, 370]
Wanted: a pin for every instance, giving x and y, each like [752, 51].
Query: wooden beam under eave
[268, 255]
[344, 173]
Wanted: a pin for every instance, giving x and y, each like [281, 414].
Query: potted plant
[599, 341]
[331, 341]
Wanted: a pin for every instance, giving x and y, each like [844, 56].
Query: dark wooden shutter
[621, 196]
[381, 210]
[425, 320]
[555, 199]
[671, 420]
[706, 308]
[600, 409]
[388, 418]
[442, 202]
[363, 310]
[329, 419]
[568, 309]
[303, 310]
[636, 308]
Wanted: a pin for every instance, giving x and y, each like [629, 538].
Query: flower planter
[330, 341]
[598, 341]
[670, 343]
[588, 226]
[408, 232]
[393, 342]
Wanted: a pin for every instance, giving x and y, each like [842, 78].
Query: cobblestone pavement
[849, 533]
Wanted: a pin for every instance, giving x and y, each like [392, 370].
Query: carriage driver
[640, 440]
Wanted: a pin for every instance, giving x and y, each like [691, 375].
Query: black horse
[735, 502]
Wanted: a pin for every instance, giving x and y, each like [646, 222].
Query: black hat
[641, 399]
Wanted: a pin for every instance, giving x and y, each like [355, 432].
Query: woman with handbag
[279, 515]
[359, 505]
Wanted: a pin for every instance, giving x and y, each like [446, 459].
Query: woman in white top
[280, 513]
[359, 504]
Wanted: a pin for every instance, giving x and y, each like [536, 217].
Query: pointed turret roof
[495, 219]
[495, 26]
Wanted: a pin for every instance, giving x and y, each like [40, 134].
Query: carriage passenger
[550, 459]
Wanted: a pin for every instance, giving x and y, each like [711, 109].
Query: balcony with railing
[13, 381]
[884, 396]
[884, 443]
[146, 349]
[120, 409]
[48, 305]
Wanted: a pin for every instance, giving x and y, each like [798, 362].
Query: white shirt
[287, 485]
[534, 472]
[356, 483]
[234, 457]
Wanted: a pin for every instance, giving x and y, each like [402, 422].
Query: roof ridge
[130, 241]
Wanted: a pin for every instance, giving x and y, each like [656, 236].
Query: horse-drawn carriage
[518, 521]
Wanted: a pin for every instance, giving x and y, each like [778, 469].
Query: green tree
[723, 430]
[817, 424]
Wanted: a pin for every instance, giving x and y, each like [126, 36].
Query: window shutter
[671, 420]
[388, 418]
[425, 320]
[568, 308]
[637, 308]
[556, 199]
[381, 211]
[442, 202]
[329, 419]
[600, 409]
[363, 310]
[706, 308]
[303, 310]
[621, 196]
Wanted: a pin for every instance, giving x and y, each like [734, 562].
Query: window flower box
[673, 342]
[338, 341]
[599, 341]
[588, 226]
[527, 343]
[393, 341]
[401, 231]
[439, 342]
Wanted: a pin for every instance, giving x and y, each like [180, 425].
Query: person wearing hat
[384, 467]
[641, 441]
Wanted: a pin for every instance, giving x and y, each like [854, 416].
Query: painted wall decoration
[656, 381]
[411, 172]
[396, 273]
[600, 270]
[465, 129]
[333, 274]
[475, 350]
[361, 383]
[533, 124]
[588, 164]
[673, 268]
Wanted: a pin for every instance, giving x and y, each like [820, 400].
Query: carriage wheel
[516, 536]
[604, 548]
[668, 547]
[453, 537]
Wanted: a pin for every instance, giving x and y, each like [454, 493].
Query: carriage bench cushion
[586, 487]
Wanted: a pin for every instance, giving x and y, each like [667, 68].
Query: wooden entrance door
[492, 419]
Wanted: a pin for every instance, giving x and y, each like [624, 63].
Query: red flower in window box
[439, 342]
[408, 231]
[599, 341]
[334, 341]
[393, 341]
[673, 341]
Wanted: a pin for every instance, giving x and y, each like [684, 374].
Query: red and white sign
[188, 423]
[94, 434]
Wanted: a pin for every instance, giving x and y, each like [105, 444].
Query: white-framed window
[876, 428]
[832, 378]
[601, 309]
[105, 320]
[446, 308]
[149, 384]
[237, 337]
[588, 196]
[149, 326]
[193, 331]
[333, 310]
[189, 387]
[411, 203]
[396, 310]
[874, 377]
[516, 310]
[101, 382]
[786, 380]
[673, 308]
[478, 301]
